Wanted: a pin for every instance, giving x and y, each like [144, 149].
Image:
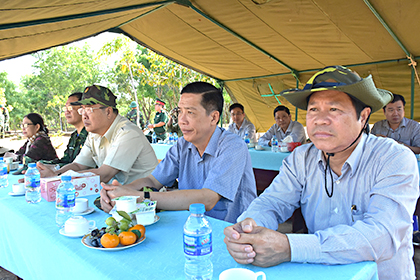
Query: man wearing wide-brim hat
[115, 148]
[357, 192]
[135, 114]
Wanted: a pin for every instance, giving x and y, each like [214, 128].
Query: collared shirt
[225, 167]
[123, 147]
[161, 117]
[379, 181]
[408, 132]
[295, 129]
[246, 127]
[73, 148]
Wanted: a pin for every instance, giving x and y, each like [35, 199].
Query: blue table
[32, 248]
[265, 159]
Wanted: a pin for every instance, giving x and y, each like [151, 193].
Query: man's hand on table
[45, 170]
[249, 243]
[110, 192]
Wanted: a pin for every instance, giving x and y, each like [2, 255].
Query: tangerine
[127, 238]
[140, 228]
[109, 240]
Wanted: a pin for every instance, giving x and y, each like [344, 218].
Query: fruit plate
[87, 239]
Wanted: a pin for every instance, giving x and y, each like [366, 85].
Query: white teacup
[126, 203]
[18, 188]
[258, 147]
[78, 225]
[81, 205]
[241, 274]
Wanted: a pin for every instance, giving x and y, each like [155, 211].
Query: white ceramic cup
[78, 225]
[241, 274]
[81, 205]
[127, 204]
[18, 188]
[258, 147]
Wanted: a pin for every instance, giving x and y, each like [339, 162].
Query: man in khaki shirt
[115, 147]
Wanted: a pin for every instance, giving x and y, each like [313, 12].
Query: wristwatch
[146, 195]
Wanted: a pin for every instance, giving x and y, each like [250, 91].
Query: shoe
[416, 238]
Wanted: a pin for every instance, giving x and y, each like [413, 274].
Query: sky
[20, 66]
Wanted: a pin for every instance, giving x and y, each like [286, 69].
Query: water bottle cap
[1, 158]
[197, 208]
[66, 178]
[32, 164]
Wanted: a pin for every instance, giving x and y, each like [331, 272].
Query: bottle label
[197, 245]
[32, 182]
[3, 171]
[65, 201]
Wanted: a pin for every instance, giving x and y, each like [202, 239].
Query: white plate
[86, 242]
[86, 212]
[157, 218]
[62, 232]
[16, 194]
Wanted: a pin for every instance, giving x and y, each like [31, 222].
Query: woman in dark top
[38, 146]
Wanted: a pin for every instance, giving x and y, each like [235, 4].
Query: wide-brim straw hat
[342, 79]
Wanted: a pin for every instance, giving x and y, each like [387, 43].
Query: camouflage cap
[97, 95]
[133, 104]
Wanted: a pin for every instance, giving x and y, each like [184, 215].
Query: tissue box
[84, 186]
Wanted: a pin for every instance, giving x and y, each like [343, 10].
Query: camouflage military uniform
[174, 126]
[132, 117]
[73, 148]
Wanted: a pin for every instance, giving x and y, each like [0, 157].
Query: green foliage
[58, 72]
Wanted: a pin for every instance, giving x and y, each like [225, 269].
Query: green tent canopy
[256, 48]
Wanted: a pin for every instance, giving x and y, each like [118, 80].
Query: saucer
[62, 232]
[157, 218]
[261, 149]
[16, 194]
[86, 212]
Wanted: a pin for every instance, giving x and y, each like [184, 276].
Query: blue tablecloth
[32, 248]
[265, 159]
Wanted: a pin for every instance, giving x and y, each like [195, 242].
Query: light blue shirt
[295, 129]
[225, 168]
[380, 178]
[246, 127]
[408, 132]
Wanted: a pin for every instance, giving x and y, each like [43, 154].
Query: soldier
[132, 115]
[159, 125]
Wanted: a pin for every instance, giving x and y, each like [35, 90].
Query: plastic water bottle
[175, 137]
[64, 201]
[3, 174]
[246, 138]
[154, 138]
[32, 184]
[274, 144]
[198, 245]
[171, 138]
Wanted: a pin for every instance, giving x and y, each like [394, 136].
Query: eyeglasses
[68, 108]
[25, 125]
[236, 114]
[89, 110]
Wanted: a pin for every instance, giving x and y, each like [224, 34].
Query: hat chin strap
[332, 154]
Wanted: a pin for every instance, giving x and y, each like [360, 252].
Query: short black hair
[77, 94]
[396, 98]
[281, 108]
[236, 105]
[37, 119]
[212, 98]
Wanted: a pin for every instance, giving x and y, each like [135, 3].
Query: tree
[58, 72]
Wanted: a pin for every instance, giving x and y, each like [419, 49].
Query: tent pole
[412, 94]
[296, 112]
[79, 16]
[386, 26]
